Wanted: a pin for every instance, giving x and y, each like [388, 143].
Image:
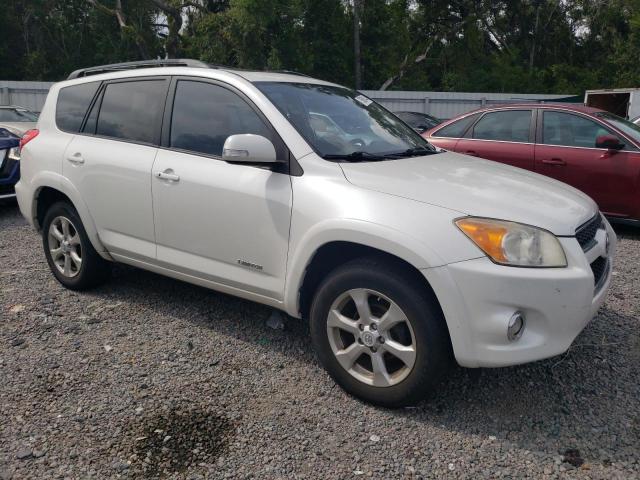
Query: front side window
[132, 110]
[342, 124]
[205, 115]
[570, 130]
[456, 129]
[506, 126]
[629, 128]
[72, 105]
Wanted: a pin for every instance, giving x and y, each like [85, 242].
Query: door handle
[76, 159]
[472, 153]
[168, 175]
[554, 161]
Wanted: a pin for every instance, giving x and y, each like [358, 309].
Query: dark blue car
[9, 164]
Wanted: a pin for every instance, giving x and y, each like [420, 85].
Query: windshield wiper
[359, 156]
[412, 152]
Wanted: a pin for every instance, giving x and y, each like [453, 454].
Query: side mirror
[248, 148]
[610, 142]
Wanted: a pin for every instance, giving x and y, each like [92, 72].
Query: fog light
[516, 326]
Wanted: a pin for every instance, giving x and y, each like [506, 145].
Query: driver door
[221, 222]
[566, 150]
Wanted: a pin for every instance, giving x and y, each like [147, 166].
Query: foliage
[559, 46]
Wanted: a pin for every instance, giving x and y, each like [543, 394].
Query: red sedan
[590, 149]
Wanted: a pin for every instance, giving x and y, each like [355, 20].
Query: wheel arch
[49, 192]
[331, 255]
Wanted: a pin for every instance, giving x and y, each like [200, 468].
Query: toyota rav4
[313, 199]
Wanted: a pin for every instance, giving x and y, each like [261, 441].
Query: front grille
[599, 268]
[586, 233]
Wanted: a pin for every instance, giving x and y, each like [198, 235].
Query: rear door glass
[506, 126]
[132, 110]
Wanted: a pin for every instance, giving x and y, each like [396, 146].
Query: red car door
[567, 151]
[505, 136]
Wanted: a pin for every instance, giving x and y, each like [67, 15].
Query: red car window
[570, 130]
[506, 126]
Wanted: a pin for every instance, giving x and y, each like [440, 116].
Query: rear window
[132, 110]
[507, 126]
[72, 105]
[457, 128]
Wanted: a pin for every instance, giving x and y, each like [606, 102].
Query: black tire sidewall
[93, 269]
[432, 342]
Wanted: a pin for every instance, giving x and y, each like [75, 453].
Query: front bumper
[478, 299]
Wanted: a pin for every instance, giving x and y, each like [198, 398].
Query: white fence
[444, 105]
[30, 95]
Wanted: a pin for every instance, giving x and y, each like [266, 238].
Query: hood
[478, 187]
[18, 128]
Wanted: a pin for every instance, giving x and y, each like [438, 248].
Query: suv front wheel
[70, 255]
[379, 334]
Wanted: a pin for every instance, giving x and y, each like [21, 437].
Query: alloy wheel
[371, 337]
[65, 247]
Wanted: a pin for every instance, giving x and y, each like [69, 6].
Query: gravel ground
[149, 377]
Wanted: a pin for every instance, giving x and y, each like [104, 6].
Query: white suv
[313, 199]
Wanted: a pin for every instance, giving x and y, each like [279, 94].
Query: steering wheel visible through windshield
[342, 124]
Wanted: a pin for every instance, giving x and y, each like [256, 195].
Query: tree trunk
[357, 60]
[532, 53]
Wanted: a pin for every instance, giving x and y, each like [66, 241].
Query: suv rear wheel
[70, 255]
[379, 334]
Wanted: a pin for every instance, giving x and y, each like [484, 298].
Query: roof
[250, 75]
[574, 107]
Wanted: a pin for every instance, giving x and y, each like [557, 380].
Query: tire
[65, 241]
[391, 292]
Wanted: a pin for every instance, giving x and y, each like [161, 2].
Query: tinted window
[508, 126]
[73, 103]
[570, 130]
[205, 115]
[416, 120]
[457, 128]
[132, 110]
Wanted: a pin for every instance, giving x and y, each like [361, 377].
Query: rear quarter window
[457, 128]
[72, 105]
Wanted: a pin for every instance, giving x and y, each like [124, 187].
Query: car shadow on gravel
[590, 393]
[585, 400]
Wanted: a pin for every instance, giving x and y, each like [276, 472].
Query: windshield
[17, 115]
[630, 129]
[342, 124]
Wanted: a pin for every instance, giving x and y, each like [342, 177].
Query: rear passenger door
[504, 136]
[222, 222]
[110, 162]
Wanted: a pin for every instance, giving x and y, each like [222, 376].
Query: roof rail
[115, 67]
[290, 72]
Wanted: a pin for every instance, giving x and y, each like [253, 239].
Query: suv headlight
[514, 244]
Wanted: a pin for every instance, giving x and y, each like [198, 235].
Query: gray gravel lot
[149, 377]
